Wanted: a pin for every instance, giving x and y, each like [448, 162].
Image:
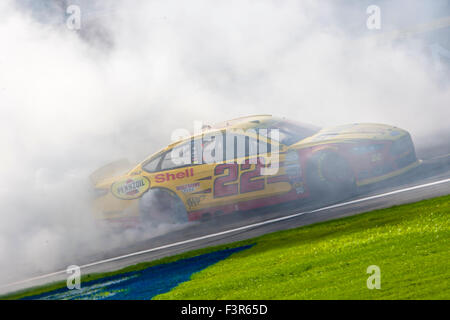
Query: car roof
[242, 123]
[247, 122]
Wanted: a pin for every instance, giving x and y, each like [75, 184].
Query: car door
[243, 175]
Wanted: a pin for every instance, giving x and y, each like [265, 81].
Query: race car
[248, 163]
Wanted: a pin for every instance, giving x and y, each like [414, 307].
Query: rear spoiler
[110, 170]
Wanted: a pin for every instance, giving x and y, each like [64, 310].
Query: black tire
[330, 177]
[159, 206]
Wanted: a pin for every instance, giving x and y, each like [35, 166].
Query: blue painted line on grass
[142, 284]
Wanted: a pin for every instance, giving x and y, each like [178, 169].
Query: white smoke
[73, 101]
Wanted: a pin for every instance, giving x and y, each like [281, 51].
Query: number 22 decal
[223, 186]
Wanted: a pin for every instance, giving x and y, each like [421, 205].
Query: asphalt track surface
[430, 179]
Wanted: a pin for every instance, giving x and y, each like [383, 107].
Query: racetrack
[431, 179]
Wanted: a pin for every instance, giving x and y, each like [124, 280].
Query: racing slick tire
[159, 206]
[330, 177]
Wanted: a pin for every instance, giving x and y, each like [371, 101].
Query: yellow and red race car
[251, 162]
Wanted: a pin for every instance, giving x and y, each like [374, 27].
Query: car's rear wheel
[330, 177]
[159, 206]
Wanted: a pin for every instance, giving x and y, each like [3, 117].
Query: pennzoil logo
[130, 188]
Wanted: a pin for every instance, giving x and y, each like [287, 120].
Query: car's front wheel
[330, 177]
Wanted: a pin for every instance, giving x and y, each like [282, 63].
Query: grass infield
[409, 243]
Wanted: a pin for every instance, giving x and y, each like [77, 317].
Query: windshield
[291, 132]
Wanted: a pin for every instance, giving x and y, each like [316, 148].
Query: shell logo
[130, 188]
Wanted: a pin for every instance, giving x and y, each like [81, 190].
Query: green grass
[94, 276]
[409, 243]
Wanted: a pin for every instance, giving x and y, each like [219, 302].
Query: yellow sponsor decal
[130, 188]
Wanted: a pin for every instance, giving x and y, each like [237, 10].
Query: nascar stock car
[248, 163]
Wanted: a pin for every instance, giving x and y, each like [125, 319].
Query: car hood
[350, 133]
